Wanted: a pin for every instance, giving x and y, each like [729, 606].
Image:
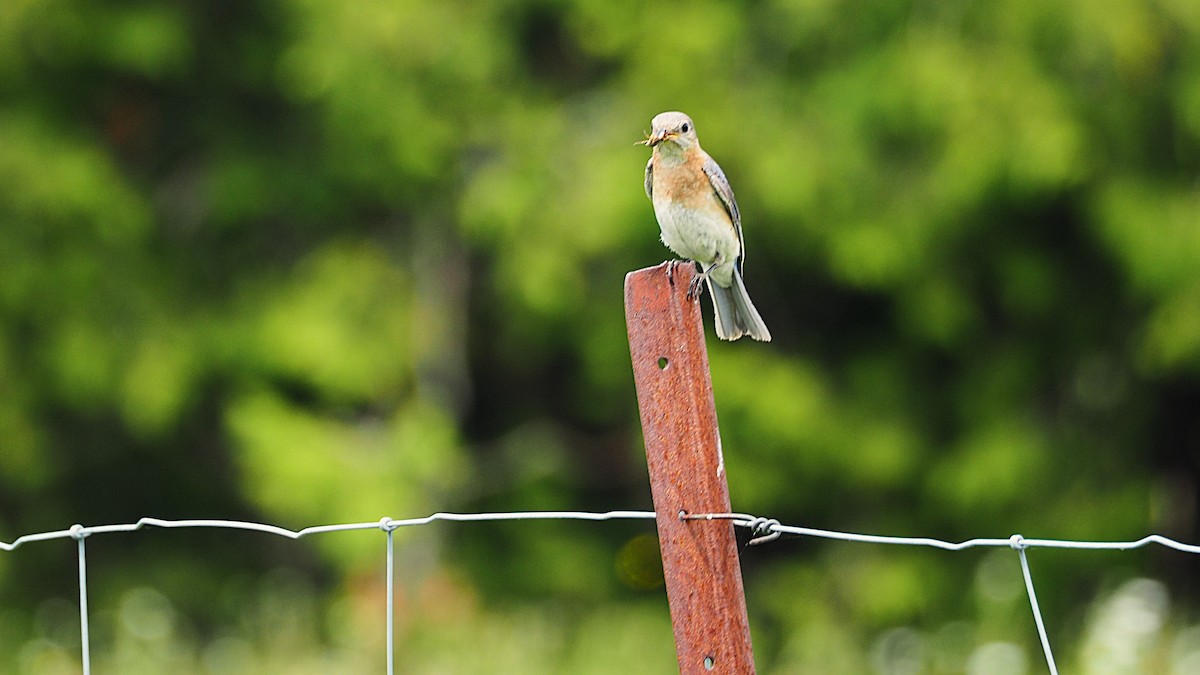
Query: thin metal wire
[761, 526]
[763, 530]
[765, 524]
[1018, 543]
[320, 529]
[391, 598]
[77, 532]
[388, 525]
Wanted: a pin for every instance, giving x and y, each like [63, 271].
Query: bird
[699, 220]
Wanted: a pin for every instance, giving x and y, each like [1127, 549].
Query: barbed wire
[762, 530]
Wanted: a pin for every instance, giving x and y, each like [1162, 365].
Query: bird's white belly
[702, 235]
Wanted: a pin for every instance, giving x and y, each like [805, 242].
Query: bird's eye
[685, 128]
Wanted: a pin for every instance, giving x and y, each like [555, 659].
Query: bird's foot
[695, 288]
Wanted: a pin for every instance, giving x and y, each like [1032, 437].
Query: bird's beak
[656, 138]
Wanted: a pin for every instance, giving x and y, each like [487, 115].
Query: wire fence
[762, 530]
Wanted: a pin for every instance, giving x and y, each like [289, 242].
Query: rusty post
[687, 471]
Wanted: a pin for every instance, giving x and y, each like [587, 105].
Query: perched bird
[700, 221]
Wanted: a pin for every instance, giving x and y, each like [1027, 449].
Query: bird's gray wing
[721, 186]
[650, 178]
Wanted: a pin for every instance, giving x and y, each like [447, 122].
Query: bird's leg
[694, 287]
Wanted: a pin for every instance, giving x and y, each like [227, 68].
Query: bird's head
[673, 128]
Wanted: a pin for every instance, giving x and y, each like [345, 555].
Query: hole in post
[663, 362]
[709, 663]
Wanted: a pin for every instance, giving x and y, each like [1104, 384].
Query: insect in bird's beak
[655, 138]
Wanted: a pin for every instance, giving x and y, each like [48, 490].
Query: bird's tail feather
[736, 315]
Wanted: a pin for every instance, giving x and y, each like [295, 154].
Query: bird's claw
[695, 288]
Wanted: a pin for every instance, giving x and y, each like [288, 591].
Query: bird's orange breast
[684, 183]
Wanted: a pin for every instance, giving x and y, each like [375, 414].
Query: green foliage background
[308, 262]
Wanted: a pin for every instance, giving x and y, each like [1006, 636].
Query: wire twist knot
[763, 530]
